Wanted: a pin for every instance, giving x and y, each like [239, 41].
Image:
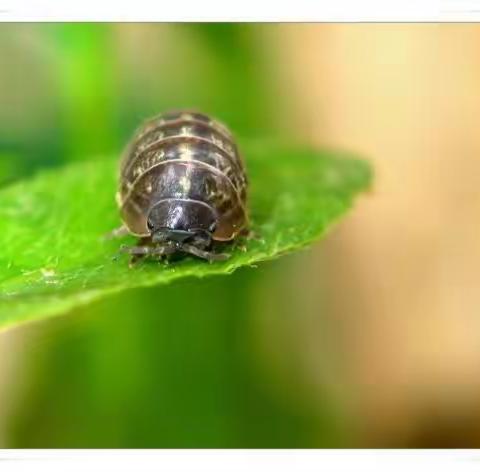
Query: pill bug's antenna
[209, 256]
[148, 250]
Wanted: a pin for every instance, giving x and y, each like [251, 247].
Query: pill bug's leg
[249, 235]
[147, 250]
[138, 252]
[243, 237]
[134, 258]
[116, 233]
[209, 256]
[241, 246]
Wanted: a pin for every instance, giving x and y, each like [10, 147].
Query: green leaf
[53, 256]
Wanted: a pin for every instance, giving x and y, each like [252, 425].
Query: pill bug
[182, 187]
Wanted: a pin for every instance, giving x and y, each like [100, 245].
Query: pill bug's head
[182, 221]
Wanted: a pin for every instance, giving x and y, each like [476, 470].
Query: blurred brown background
[399, 276]
[408, 97]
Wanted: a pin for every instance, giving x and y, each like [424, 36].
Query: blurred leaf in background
[31, 135]
[86, 68]
[170, 367]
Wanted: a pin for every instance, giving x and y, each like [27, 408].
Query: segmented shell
[183, 155]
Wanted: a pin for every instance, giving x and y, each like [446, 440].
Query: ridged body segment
[183, 155]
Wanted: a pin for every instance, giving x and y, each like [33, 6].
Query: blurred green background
[332, 347]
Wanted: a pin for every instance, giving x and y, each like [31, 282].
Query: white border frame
[244, 10]
[280, 460]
